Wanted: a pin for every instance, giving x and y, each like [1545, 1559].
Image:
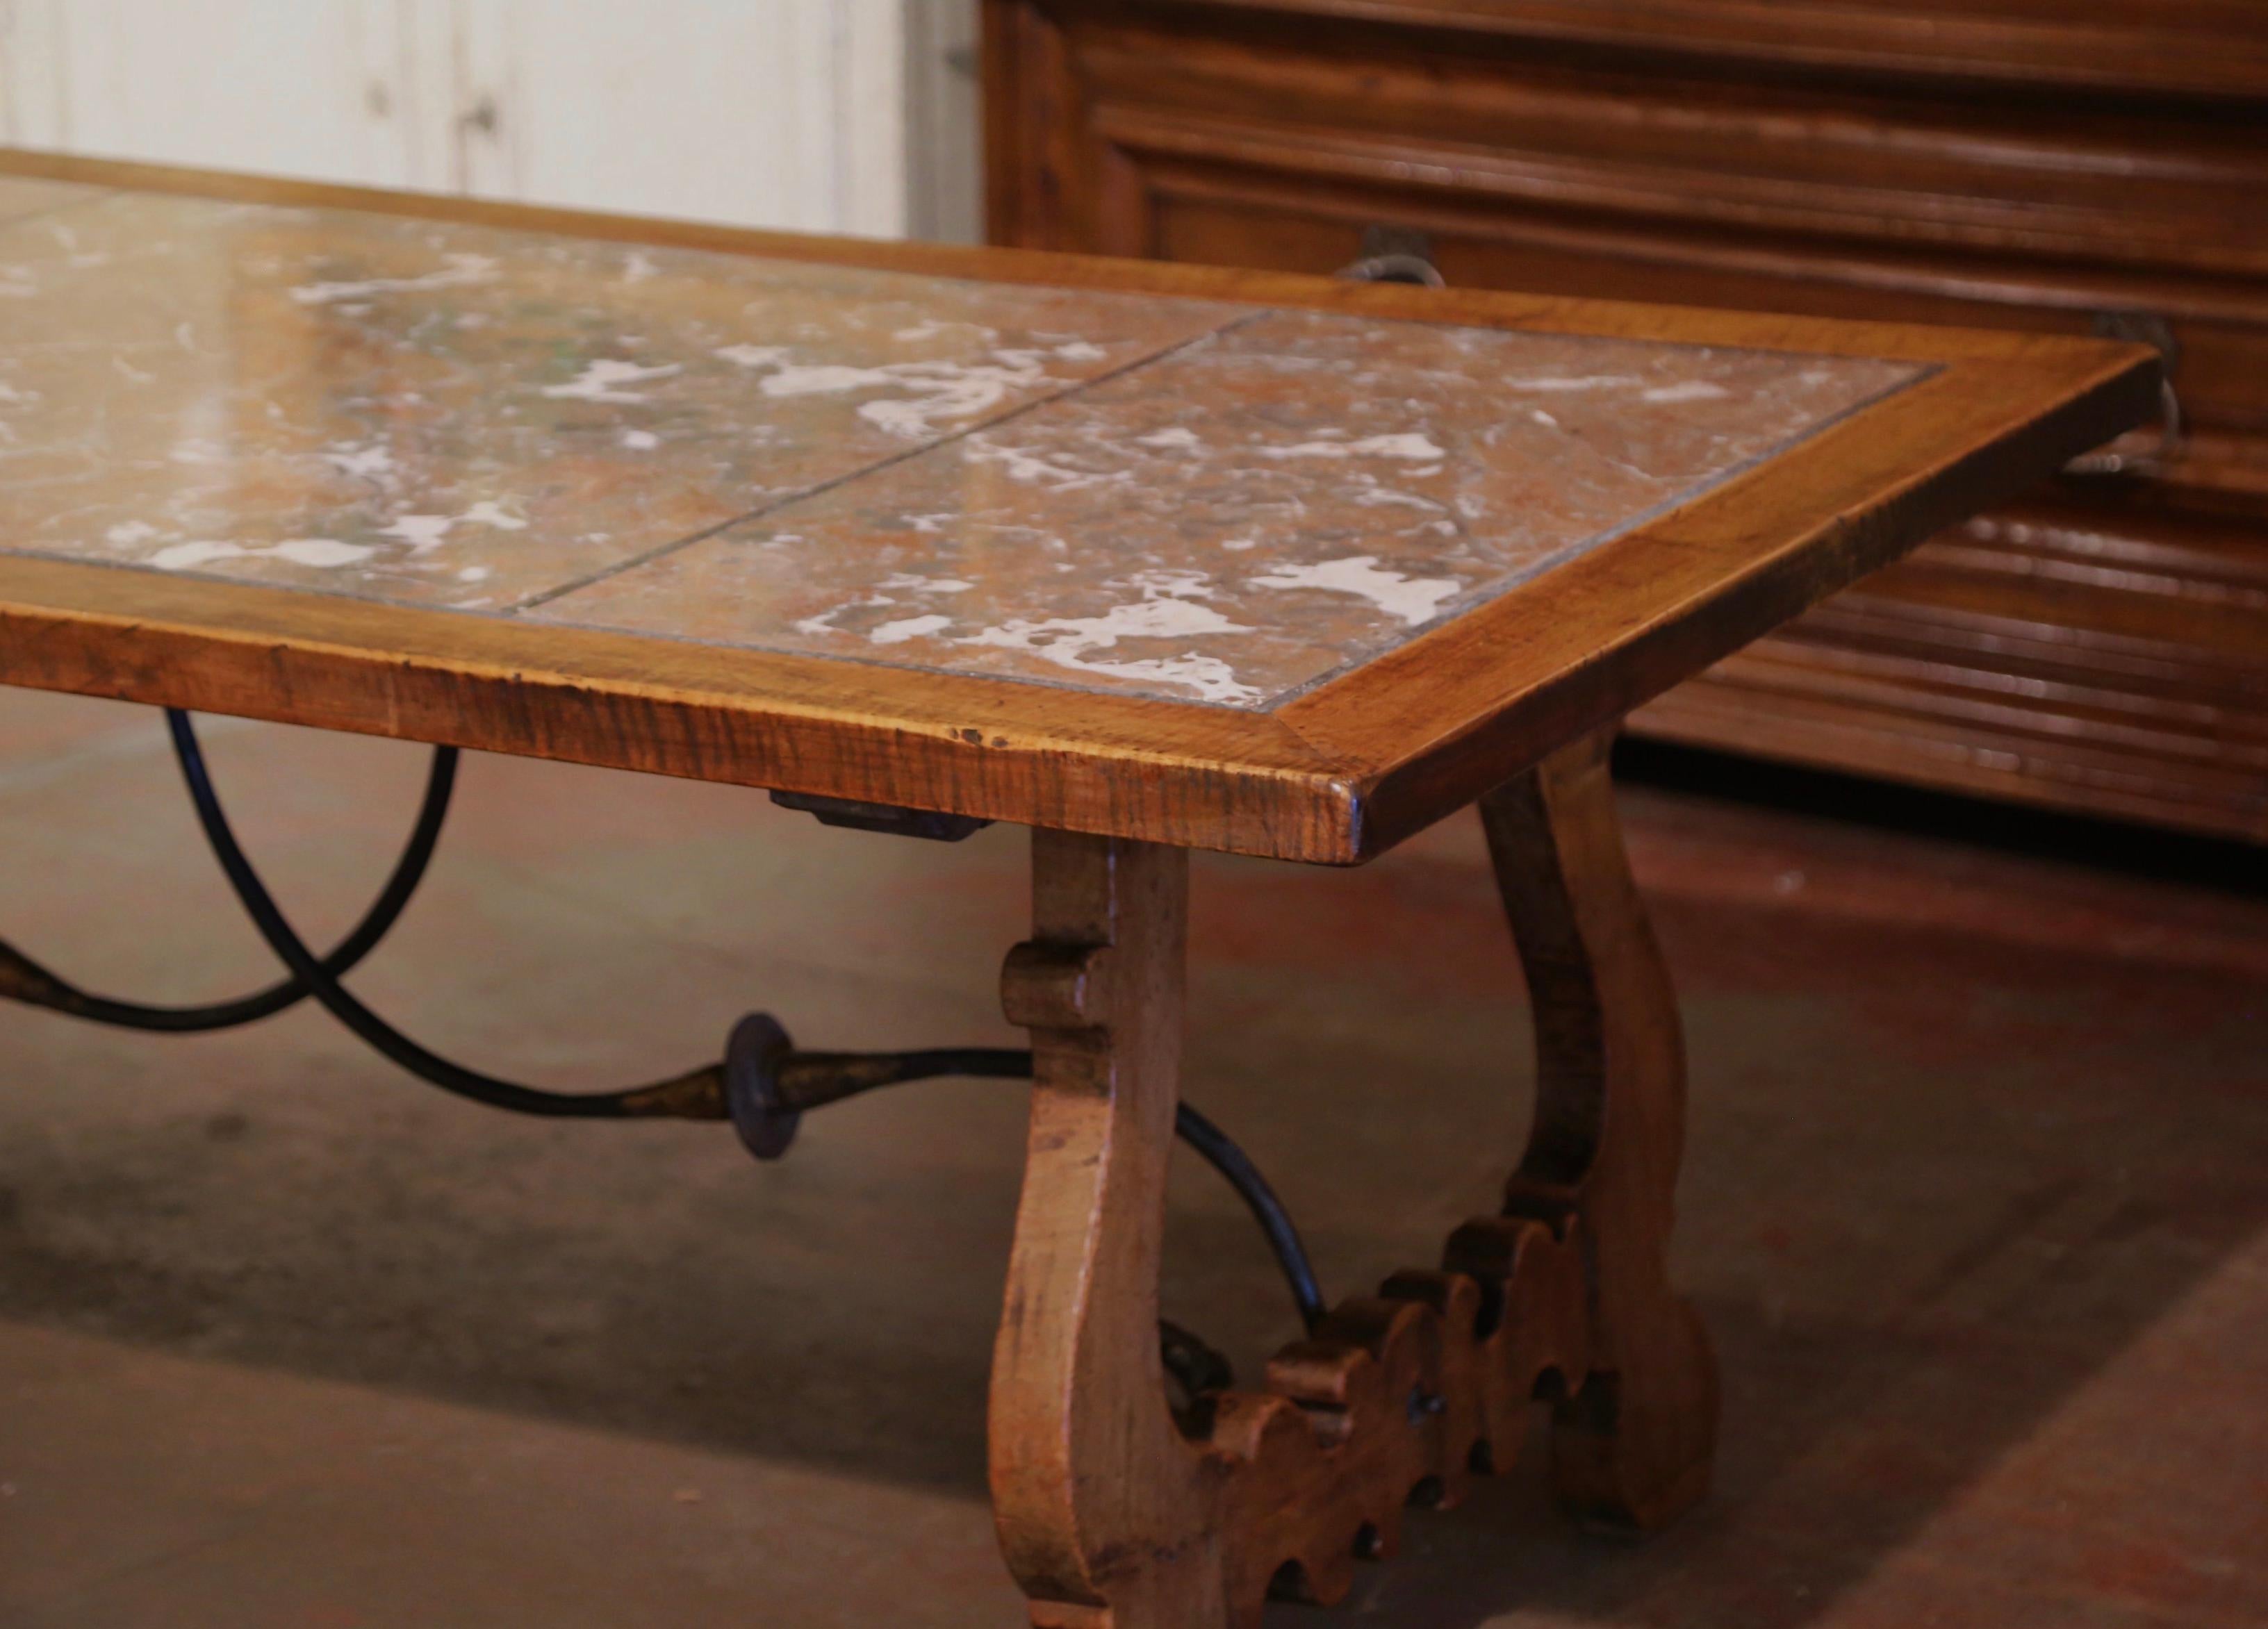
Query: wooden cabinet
[2101, 646]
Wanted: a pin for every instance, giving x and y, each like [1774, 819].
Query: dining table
[1146, 558]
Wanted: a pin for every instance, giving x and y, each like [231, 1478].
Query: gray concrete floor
[1974, 1208]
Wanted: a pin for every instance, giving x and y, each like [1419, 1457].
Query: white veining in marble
[1246, 517]
[1127, 494]
[473, 418]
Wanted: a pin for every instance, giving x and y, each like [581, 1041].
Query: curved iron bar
[24, 980]
[789, 1082]
[1218, 1150]
[770, 1086]
[292, 951]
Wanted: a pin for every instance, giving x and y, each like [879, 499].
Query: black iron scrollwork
[765, 1084]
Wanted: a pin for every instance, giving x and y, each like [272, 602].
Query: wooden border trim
[1213, 777]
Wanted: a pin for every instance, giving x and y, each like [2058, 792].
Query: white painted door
[776, 113]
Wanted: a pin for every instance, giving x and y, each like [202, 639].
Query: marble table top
[1172, 498]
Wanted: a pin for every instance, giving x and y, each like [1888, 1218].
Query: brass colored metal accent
[698, 1095]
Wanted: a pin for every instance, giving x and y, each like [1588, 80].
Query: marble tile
[451, 415]
[1157, 497]
[1244, 518]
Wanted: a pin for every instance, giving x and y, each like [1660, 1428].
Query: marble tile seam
[304, 404]
[589, 579]
[692, 599]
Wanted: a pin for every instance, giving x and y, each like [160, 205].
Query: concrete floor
[1974, 1207]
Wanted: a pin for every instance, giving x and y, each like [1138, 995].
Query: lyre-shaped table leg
[1632, 1445]
[1107, 1515]
[1110, 1517]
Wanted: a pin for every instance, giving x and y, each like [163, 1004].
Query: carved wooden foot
[1111, 1512]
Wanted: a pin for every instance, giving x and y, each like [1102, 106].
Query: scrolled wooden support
[1108, 1517]
[1111, 1513]
[1397, 1397]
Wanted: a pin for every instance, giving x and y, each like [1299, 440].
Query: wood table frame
[1111, 1509]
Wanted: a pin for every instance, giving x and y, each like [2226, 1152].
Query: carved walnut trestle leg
[1112, 1516]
